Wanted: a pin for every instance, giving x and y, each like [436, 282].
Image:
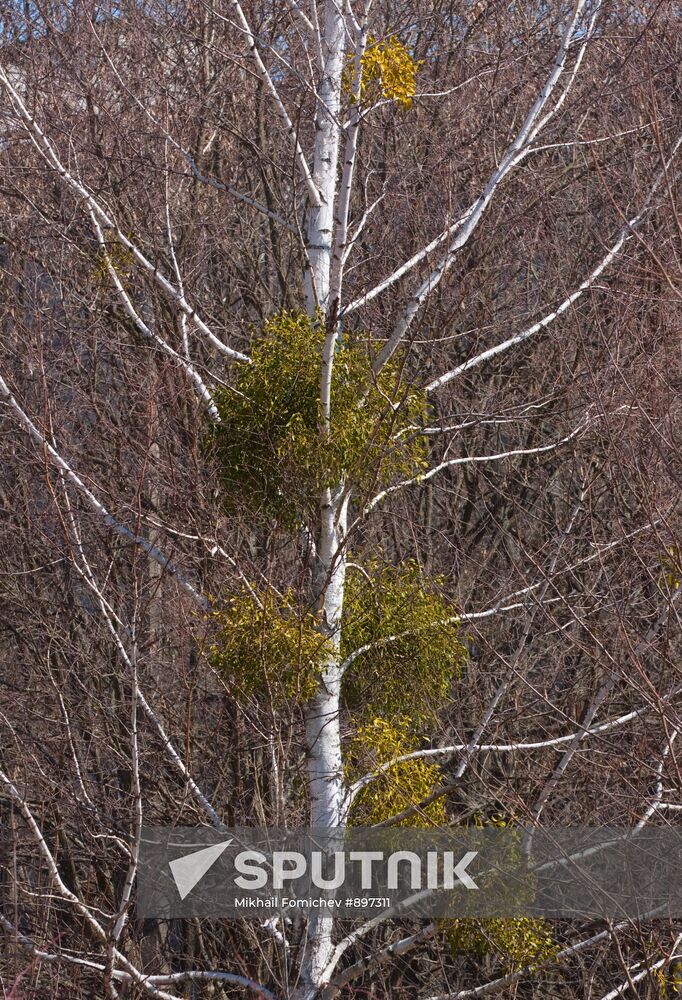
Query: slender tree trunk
[323, 735]
[325, 165]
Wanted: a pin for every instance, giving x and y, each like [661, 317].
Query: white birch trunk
[325, 165]
[326, 783]
[323, 737]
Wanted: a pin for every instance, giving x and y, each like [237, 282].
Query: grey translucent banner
[564, 872]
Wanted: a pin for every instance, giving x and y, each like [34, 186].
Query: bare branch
[472, 459]
[466, 223]
[626, 233]
[146, 331]
[311, 187]
[60, 463]
[45, 147]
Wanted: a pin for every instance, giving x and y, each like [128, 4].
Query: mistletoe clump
[388, 67]
[398, 787]
[413, 652]
[113, 254]
[272, 453]
[668, 978]
[670, 569]
[408, 654]
[269, 646]
[516, 941]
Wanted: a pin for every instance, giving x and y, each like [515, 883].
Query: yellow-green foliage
[415, 656]
[401, 786]
[669, 981]
[272, 453]
[269, 646]
[114, 255]
[388, 67]
[670, 565]
[416, 653]
[516, 941]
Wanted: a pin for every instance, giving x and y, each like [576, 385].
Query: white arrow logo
[190, 868]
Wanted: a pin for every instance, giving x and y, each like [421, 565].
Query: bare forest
[340, 423]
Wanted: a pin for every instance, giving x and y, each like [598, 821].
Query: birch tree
[340, 406]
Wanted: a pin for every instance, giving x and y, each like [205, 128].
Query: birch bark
[327, 133]
[323, 737]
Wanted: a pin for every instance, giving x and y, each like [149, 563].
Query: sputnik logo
[191, 868]
[256, 871]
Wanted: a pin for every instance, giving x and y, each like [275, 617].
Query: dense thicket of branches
[148, 178]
